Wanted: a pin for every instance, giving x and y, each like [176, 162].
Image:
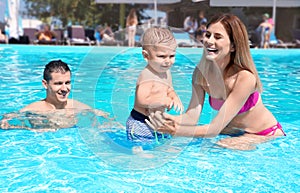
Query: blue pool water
[89, 159]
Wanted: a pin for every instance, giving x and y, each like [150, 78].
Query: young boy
[154, 89]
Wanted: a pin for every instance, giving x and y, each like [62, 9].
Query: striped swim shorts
[138, 130]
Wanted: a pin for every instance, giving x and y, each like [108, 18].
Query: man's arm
[82, 106]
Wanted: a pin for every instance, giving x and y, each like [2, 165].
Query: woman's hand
[162, 122]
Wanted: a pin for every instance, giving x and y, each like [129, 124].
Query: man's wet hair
[55, 66]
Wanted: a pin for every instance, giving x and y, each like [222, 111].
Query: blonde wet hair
[158, 36]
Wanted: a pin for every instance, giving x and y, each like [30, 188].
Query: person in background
[154, 88]
[227, 74]
[45, 35]
[202, 21]
[131, 24]
[190, 25]
[108, 35]
[107, 30]
[97, 35]
[265, 28]
[3, 37]
[104, 35]
[201, 18]
[200, 33]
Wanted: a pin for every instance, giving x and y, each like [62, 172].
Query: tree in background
[74, 11]
[83, 12]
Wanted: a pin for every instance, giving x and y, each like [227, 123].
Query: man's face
[59, 87]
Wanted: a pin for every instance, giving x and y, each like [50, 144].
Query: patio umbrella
[2, 10]
[13, 18]
[155, 2]
[256, 3]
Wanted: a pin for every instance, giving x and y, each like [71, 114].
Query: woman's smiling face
[217, 44]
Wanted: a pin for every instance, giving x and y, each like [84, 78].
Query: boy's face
[160, 58]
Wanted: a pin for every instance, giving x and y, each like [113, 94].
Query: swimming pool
[82, 159]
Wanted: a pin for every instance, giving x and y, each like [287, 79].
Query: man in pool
[57, 109]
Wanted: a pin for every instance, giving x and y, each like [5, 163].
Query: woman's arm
[243, 88]
[193, 112]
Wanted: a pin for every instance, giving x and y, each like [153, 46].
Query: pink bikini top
[216, 104]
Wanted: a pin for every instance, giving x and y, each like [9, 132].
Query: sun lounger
[184, 39]
[59, 36]
[277, 43]
[76, 36]
[31, 34]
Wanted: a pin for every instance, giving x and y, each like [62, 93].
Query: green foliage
[83, 12]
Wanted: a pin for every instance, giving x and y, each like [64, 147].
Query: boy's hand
[177, 104]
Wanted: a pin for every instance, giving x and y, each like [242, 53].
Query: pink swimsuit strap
[216, 104]
[271, 130]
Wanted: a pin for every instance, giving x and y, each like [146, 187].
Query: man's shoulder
[35, 106]
[72, 103]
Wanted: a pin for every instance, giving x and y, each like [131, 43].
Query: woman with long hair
[227, 74]
[131, 24]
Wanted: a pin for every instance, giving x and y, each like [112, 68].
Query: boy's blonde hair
[158, 36]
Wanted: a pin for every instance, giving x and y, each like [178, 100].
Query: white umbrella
[13, 18]
[155, 2]
[2, 10]
[256, 3]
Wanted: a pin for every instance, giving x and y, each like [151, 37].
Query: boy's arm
[148, 92]
[171, 93]
[146, 98]
[176, 102]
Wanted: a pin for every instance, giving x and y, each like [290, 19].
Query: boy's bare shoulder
[146, 75]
